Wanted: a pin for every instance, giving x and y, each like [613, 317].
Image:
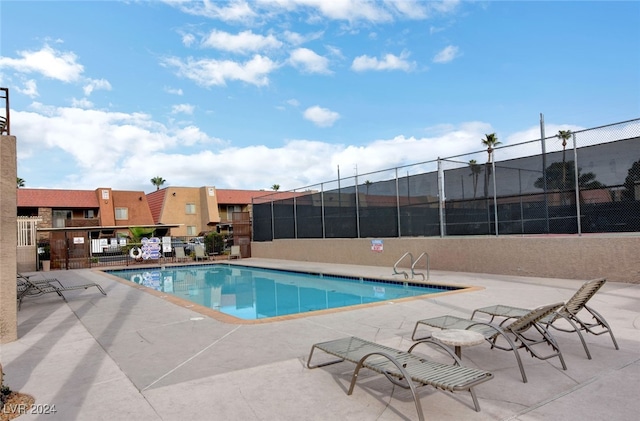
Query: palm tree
[490, 141]
[630, 183]
[564, 135]
[158, 181]
[367, 183]
[476, 169]
[20, 182]
[275, 187]
[554, 172]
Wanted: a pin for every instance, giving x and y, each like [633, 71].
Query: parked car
[190, 246]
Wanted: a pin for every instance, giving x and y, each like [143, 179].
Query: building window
[122, 213]
[190, 208]
[89, 214]
[191, 230]
[231, 209]
[59, 218]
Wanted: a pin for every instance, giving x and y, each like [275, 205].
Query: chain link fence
[588, 182]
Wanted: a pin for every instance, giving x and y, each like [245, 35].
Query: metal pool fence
[591, 184]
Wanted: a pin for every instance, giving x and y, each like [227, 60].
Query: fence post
[357, 206]
[495, 194]
[324, 229]
[441, 198]
[577, 186]
[398, 203]
[544, 172]
[295, 218]
[273, 223]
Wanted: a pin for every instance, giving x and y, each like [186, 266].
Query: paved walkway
[137, 356]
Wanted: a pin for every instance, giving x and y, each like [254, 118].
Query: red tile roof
[47, 198]
[156, 200]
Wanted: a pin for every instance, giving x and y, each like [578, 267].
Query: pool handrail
[413, 273]
[395, 266]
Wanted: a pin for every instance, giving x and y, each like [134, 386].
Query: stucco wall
[616, 257]
[8, 239]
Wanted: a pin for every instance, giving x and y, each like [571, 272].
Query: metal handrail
[395, 267]
[413, 273]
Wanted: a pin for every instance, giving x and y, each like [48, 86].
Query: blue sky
[247, 94]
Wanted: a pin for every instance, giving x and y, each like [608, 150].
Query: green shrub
[4, 390]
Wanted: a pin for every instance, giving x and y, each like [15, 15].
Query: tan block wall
[8, 240]
[615, 257]
[174, 210]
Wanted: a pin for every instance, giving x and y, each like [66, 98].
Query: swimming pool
[252, 293]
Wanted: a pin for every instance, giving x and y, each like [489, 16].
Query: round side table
[458, 338]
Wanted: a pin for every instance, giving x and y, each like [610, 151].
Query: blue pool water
[254, 293]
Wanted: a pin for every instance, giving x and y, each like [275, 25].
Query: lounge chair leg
[602, 322]
[475, 399]
[309, 366]
[584, 343]
[413, 335]
[404, 374]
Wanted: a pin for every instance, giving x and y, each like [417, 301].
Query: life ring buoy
[137, 279]
[135, 253]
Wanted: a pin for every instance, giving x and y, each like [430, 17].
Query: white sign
[377, 246]
[166, 244]
[78, 240]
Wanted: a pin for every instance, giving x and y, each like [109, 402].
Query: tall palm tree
[20, 182]
[564, 135]
[275, 187]
[490, 141]
[476, 169]
[158, 181]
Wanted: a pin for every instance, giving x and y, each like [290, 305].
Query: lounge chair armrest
[440, 345]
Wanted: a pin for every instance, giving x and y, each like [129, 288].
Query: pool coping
[229, 319]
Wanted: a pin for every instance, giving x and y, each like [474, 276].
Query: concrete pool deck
[133, 355]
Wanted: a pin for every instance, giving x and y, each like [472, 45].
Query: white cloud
[343, 10]
[235, 11]
[308, 61]
[96, 84]
[209, 72]
[81, 103]
[334, 51]
[51, 63]
[409, 9]
[68, 144]
[388, 62]
[182, 108]
[321, 117]
[244, 42]
[188, 40]
[295, 38]
[174, 91]
[30, 89]
[447, 54]
[293, 102]
[78, 136]
[349, 10]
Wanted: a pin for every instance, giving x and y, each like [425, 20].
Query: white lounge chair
[199, 250]
[235, 252]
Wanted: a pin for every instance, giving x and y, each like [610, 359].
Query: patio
[136, 355]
